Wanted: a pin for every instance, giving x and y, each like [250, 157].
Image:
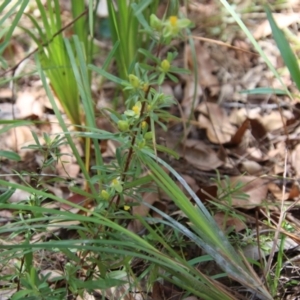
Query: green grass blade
[285, 49]
[107, 75]
[257, 47]
[15, 21]
[263, 91]
[10, 155]
[203, 225]
[81, 75]
[63, 125]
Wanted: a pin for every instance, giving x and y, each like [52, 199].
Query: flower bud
[145, 87]
[148, 135]
[165, 65]
[144, 125]
[155, 23]
[134, 81]
[123, 125]
[104, 195]
[142, 144]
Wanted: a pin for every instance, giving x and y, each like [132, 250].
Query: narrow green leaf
[285, 49]
[15, 21]
[107, 75]
[6, 195]
[264, 91]
[10, 155]
[257, 47]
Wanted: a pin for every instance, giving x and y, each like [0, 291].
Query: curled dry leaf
[294, 191]
[272, 121]
[237, 138]
[257, 129]
[216, 122]
[238, 116]
[250, 167]
[200, 155]
[277, 191]
[207, 192]
[256, 188]
[256, 154]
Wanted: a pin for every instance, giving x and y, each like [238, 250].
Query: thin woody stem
[130, 153]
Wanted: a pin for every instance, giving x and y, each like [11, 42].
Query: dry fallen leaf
[250, 167]
[296, 160]
[19, 195]
[257, 129]
[237, 138]
[236, 223]
[17, 138]
[216, 122]
[294, 191]
[142, 210]
[28, 105]
[277, 191]
[67, 164]
[207, 192]
[200, 155]
[272, 121]
[238, 116]
[243, 57]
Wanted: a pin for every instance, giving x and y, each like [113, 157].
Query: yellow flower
[173, 20]
[144, 124]
[116, 184]
[126, 207]
[173, 26]
[115, 181]
[136, 110]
